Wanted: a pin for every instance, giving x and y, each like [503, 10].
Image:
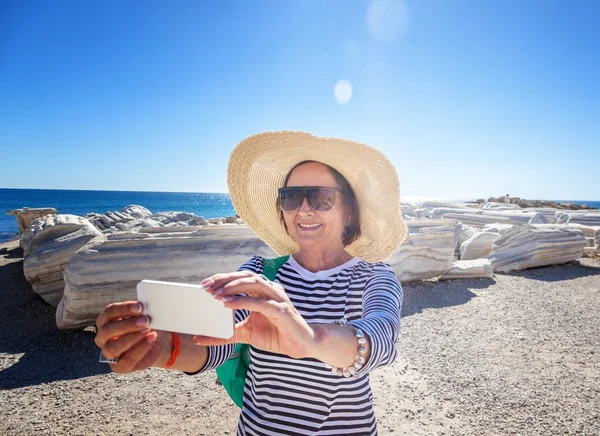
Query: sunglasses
[320, 198]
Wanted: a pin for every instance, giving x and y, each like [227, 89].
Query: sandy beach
[518, 354]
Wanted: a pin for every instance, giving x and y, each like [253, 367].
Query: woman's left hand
[273, 324]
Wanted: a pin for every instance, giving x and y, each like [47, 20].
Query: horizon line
[430, 197]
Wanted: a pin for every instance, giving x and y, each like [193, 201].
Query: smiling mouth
[309, 226]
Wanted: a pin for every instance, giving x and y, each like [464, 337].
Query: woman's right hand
[123, 333]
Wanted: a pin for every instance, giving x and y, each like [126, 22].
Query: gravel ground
[516, 355]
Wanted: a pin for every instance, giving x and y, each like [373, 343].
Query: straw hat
[258, 167]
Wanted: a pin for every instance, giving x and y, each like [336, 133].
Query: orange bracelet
[175, 352]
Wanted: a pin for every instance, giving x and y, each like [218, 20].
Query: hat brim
[258, 167]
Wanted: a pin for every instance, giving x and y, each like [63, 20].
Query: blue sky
[467, 98]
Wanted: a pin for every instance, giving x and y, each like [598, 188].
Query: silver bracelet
[359, 360]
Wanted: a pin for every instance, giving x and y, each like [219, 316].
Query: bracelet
[359, 360]
[175, 352]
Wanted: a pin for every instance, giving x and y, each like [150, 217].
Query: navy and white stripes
[285, 396]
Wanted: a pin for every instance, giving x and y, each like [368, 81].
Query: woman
[332, 314]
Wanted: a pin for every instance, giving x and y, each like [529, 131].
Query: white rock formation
[469, 269]
[538, 218]
[433, 204]
[500, 206]
[408, 210]
[465, 233]
[497, 228]
[548, 212]
[518, 217]
[107, 270]
[135, 218]
[588, 231]
[533, 245]
[439, 212]
[426, 253]
[49, 244]
[415, 226]
[477, 220]
[587, 218]
[169, 217]
[478, 246]
[136, 211]
[26, 216]
[127, 218]
[420, 213]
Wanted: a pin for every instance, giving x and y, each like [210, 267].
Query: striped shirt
[286, 396]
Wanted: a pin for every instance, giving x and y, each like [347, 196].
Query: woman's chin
[308, 241]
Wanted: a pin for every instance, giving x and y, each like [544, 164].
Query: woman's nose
[304, 207]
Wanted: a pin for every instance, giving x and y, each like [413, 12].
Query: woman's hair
[352, 229]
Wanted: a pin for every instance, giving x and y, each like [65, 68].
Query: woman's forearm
[336, 345]
[192, 357]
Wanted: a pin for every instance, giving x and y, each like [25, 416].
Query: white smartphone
[184, 308]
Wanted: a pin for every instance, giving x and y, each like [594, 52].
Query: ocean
[81, 202]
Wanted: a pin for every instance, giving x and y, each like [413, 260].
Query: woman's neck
[320, 261]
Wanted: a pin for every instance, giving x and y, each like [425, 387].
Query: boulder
[478, 246]
[533, 245]
[169, 217]
[197, 221]
[588, 231]
[415, 226]
[136, 211]
[561, 217]
[465, 233]
[497, 228]
[26, 216]
[49, 244]
[433, 204]
[108, 270]
[138, 224]
[469, 269]
[110, 219]
[477, 220]
[518, 217]
[408, 210]
[538, 218]
[439, 212]
[426, 253]
[548, 212]
[588, 219]
[492, 205]
[421, 213]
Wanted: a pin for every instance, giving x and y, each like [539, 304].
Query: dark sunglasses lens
[321, 199]
[291, 199]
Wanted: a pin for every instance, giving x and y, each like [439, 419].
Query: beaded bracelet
[359, 360]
